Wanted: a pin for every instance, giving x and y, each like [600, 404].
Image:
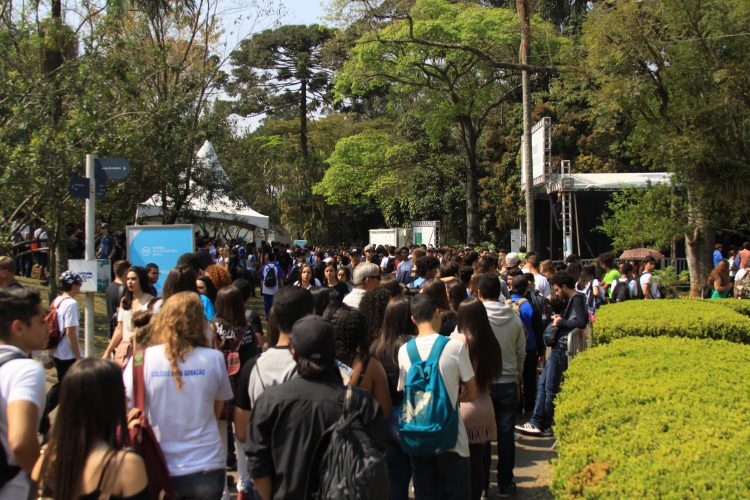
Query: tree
[425, 59]
[282, 69]
[678, 70]
[651, 217]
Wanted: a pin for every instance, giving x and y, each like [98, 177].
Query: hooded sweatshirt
[508, 330]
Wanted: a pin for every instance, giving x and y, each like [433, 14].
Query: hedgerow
[671, 318]
[655, 418]
[741, 306]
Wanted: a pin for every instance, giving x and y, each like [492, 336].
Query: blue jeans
[446, 476]
[548, 387]
[204, 485]
[267, 303]
[505, 401]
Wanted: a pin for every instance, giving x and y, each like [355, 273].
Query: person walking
[186, 383]
[68, 350]
[85, 458]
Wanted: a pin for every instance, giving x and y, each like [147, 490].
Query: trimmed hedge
[672, 318]
[741, 306]
[655, 418]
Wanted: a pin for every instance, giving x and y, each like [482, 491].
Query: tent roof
[217, 208]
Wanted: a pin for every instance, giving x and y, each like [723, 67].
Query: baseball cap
[355, 251]
[104, 225]
[70, 278]
[312, 338]
[512, 259]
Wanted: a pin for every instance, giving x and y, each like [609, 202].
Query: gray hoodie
[508, 330]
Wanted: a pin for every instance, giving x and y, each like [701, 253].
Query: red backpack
[54, 335]
[142, 436]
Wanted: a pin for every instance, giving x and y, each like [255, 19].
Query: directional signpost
[91, 188]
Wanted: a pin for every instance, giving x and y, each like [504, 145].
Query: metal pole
[524, 14]
[90, 254]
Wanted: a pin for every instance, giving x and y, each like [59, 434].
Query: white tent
[205, 206]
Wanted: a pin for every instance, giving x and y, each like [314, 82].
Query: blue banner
[160, 245]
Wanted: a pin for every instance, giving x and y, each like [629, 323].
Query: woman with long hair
[590, 287]
[456, 293]
[330, 275]
[719, 281]
[350, 333]
[478, 416]
[205, 286]
[344, 274]
[85, 457]
[186, 383]
[373, 305]
[437, 289]
[179, 279]
[136, 298]
[307, 279]
[219, 276]
[397, 329]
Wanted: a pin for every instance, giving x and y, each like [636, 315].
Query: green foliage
[740, 306]
[654, 418]
[670, 318]
[650, 217]
[669, 281]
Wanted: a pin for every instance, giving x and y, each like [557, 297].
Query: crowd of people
[420, 338]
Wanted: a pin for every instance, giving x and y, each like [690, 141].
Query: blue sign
[78, 187]
[111, 169]
[101, 190]
[160, 245]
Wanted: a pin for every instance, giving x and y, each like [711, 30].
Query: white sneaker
[529, 430]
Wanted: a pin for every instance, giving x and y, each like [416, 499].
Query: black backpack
[7, 471]
[621, 291]
[390, 265]
[269, 280]
[351, 465]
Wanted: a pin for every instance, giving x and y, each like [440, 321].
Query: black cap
[312, 338]
[355, 251]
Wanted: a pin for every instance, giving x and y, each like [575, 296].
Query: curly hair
[350, 333]
[181, 326]
[373, 306]
[219, 276]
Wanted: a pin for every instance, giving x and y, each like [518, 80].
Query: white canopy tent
[212, 208]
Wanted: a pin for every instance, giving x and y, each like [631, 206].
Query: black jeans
[53, 396]
[446, 476]
[505, 401]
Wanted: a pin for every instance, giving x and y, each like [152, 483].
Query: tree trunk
[524, 14]
[699, 241]
[469, 141]
[303, 121]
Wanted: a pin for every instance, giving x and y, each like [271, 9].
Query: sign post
[90, 253]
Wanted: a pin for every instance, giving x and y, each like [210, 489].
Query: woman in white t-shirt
[136, 298]
[186, 383]
[306, 278]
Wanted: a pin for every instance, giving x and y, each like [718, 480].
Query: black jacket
[287, 423]
[576, 315]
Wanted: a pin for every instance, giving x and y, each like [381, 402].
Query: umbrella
[641, 253]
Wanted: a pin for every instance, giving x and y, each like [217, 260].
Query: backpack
[142, 436]
[390, 265]
[351, 466]
[516, 304]
[7, 471]
[639, 289]
[621, 291]
[269, 280]
[54, 335]
[742, 287]
[429, 422]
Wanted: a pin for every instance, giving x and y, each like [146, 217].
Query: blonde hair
[181, 326]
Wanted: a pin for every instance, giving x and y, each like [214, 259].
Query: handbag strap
[139, 390]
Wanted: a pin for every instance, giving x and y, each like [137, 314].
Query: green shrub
[671, 318]
[655, 418]
[741, 306]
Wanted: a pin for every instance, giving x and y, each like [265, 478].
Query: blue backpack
[429, 422]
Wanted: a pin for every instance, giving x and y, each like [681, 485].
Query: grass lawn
[101, 322]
